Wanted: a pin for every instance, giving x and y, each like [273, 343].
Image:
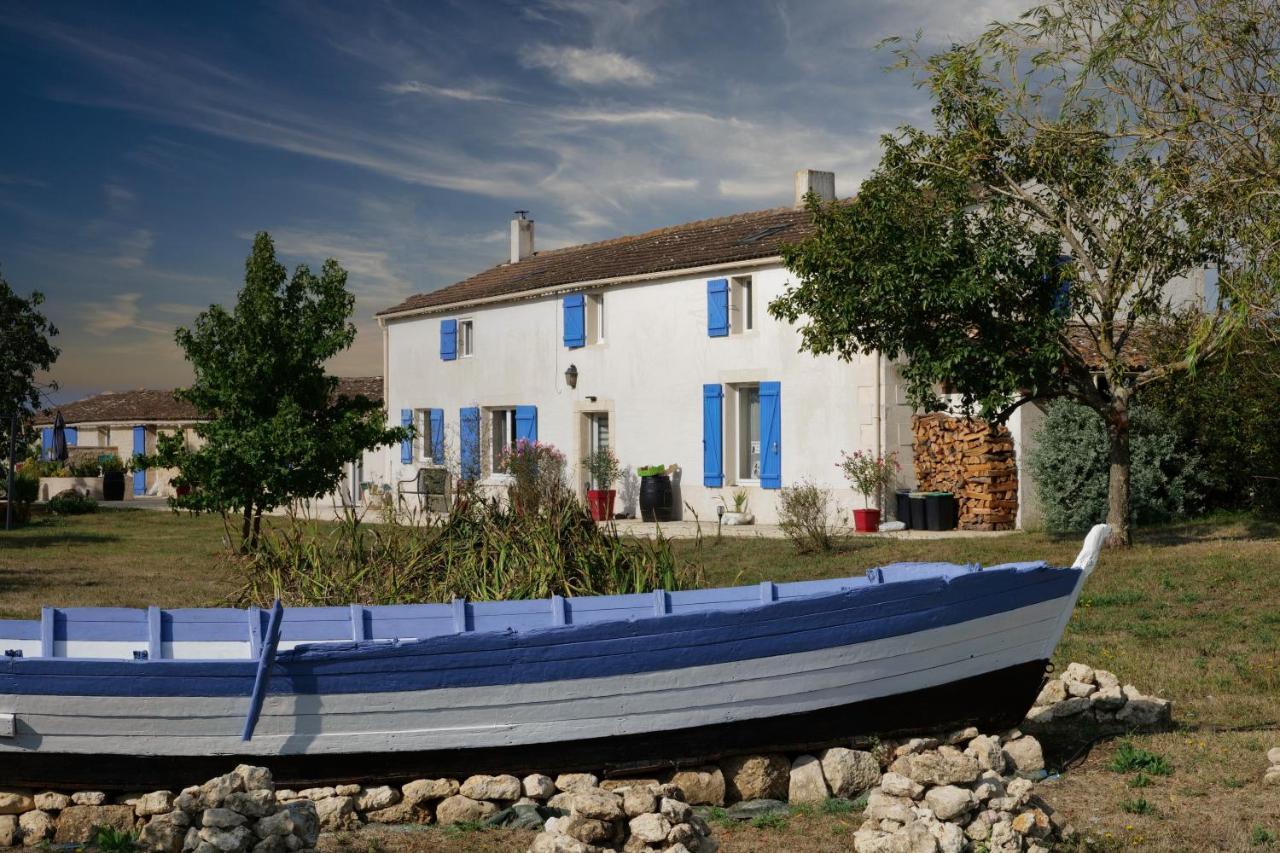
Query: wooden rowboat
[133, 698]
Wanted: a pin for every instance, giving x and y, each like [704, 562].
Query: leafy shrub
[72, 503]
[603, 468]
[1138, 806]
[480, 550]
[804, 514]
[1071, 467]
[26, 483]
[112, 464]
[538, 470]
[110, 840]
[1129, 758]
[85, 468]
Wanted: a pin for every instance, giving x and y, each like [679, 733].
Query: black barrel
[655, 497]
[113, 485]
[903, 508]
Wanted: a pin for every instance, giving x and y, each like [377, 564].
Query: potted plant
[112, 478]
[871, 475]
[738, 515]
[655, 492]
[602, 468]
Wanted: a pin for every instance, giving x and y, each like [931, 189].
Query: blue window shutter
[46, 443]
[718, 307]
[527, 423]
[406, 444]
[712, 436]
[771, 435]
[139, 446]
[469, 438]
[575, 321]
[72, 436]
[437, 436]
[448, 340]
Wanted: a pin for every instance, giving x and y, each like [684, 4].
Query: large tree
[1010, 259]
[275, 428]
[25, 351]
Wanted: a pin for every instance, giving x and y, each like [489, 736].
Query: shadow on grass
[27, 538]
[1230, 528]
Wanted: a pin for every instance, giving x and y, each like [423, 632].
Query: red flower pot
[866, 520]
[600, 502]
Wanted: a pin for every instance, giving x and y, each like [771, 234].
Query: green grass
[1138, 806]
[1129, 758]
[1260, 836]
[769, 821]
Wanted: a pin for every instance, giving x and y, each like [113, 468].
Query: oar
[265, 661]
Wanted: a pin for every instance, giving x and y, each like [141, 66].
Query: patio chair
[431, 485]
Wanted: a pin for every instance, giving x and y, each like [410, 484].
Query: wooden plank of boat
[812, 659]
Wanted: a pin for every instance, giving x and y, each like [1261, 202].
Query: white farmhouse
[657, 345]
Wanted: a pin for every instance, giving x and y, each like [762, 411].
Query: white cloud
[592, 66]
[414, 87]
[120, 314]
[131, 252]
[119, 199]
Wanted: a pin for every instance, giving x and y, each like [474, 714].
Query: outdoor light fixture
[571, 376]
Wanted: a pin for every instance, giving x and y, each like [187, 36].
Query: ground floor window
[748, 430]
[598, 432]
[426, 441]
[502, 432]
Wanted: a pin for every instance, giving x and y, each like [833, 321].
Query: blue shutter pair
[448, 340]
[575, 321]
[718, 307]
[770, 435]
[139, 447]
[435, 419]
[527, 423]
[469, 439]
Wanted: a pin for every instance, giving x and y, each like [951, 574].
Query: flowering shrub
[538, 470]
[868, 473]
[603, 468]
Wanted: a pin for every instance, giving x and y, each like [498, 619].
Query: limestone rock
[596, 804]
[15, 801]
[950, 837]
[881, 806]
[1033, 823]
[619, 784]
[221, 818]
[155, 803]
[347, 790]
[421, 790]
[876, 841]
[807, 784]
[756, 777]
[897, 785]
[1078, 673]
[988, 752]
[1108, 698]
[1053, 691]
[751, 809]
[88, 798]
[212, 793]
[373, 799]
[848, 772]
[77, 823]
[1273, 756]
[638, 801]
[1024, 755]
[52, 801]
[273, 844]
[1146, 712]
[402, 812]
[36, 826]
[538, 786]
[549, 842]
[916, 745]
[459, 809]
[1079, 688]
[576, 781]
[306, 821]
[586, 829]
[948, 801]
[1040, 715]
[318, 794]
[9, 830]
[337, 813]
[675, 811]
[165, 833]
[276, 824]
[946, 766]
[492, 788]
[255, 778]
[1105, 679]
[235, 840]
[703, 786]
[1070, 707]
[960, 736]
[650, 828]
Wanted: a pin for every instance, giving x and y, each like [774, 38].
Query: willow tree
[1011, 257]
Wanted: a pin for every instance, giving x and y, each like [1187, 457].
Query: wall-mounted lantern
[571, 376]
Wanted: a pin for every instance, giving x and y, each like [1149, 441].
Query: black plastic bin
[939, 511]
[917, 501]
[903, 510]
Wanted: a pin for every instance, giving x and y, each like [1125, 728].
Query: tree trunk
[257, 525]
[245, 528]
[1118, 480]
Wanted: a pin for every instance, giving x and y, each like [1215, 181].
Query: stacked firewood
[974, 460]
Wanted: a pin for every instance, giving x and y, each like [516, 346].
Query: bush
[538, 470]
[1071, 467]
[72, 503]
[481, 550]
[26, 483]
[804, 515]
[112, 464]
[85, 468]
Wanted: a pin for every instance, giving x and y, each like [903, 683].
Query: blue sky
[146, 142]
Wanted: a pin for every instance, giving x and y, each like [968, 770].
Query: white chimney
[521, 236]
[822, 184]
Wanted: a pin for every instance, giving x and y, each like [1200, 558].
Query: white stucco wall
[648, 374]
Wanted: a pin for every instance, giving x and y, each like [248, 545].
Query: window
[425, 440]
[466, 337]
[742, 308]
[748, 429]
[595, 318]
[502, 430]
[599, 431]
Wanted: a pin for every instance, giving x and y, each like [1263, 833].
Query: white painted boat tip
[1087, 560]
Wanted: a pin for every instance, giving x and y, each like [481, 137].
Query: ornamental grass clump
[481, 550]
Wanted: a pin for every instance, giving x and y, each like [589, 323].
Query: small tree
[25, 350]
[1011, 260]
[870, 474]
[276, 429]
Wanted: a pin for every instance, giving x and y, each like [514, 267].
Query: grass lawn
[1190, 613]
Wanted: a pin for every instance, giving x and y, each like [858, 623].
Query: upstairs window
[595, 318]
[742, 305]
[466, 337]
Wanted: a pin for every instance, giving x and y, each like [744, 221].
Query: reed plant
[481, 550]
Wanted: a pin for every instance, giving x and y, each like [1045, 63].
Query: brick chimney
[521, 236]
[821, 183]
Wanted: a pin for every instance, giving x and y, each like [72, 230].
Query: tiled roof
[742, 237]
[149, 406]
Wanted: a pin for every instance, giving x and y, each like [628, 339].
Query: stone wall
[974, 460]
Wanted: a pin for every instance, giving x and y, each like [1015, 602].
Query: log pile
[974, 460]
